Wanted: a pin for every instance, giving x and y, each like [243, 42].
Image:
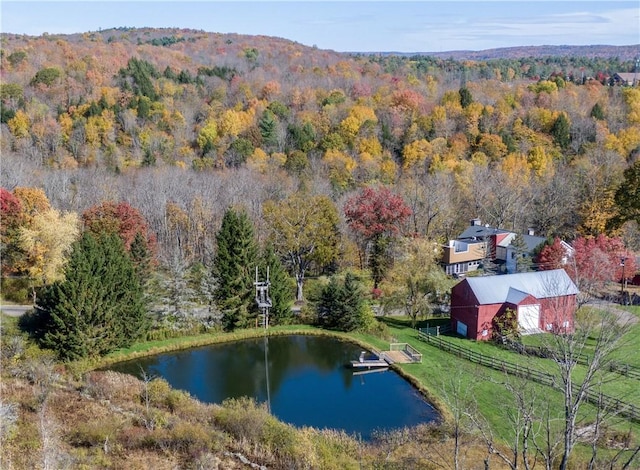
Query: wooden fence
[621, 368]
[606, 402]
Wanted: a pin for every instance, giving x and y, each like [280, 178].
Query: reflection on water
[303, 378]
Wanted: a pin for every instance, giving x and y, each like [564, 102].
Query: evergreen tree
[523, 258]
[465, 97]
[281, 289]
[141, 257]
[329, 308]
[268, 128]
[342, 305]
[234, 268]
[356, 311]
[627, 197]
[597, 112]
[561, 131]
[99, 306]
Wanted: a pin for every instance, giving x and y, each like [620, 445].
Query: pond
[303, 380]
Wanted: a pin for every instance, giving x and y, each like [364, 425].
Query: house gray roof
[479, 231]
[533, 242]
[514, 287]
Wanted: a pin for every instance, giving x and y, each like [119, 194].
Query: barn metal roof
[539, 284]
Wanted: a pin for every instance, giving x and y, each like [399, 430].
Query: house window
[549, 326]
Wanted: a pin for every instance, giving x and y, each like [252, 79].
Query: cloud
[475, 32]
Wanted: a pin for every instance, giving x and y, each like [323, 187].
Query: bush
[379, 329]
[190, 438]
[16, 290]
[243, 418]
[92, 433]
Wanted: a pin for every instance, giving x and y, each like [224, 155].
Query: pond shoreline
[189, 342]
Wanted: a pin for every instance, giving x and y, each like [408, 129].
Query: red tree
[598, 260]
[553, 256]
[11, 218]
[120, 218]
[375, 212]
[375, 216]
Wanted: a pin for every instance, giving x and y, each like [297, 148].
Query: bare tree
[460, 399]
[596, 334]
[521, 414]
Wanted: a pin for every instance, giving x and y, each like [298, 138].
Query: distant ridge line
[592, 51]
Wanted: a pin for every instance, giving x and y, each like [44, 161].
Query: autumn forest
[183, 124]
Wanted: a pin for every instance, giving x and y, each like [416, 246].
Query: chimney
[531, 232]
[475, 222]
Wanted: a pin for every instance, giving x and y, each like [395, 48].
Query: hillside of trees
[181, 125]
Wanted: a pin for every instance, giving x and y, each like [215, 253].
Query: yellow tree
[304, 231]
[415, 153]
[631, 97]
[19, 124]
[47, 242]
[416, 283]
[32, 200]
[358, 116]
[341, 167]
[208, 136]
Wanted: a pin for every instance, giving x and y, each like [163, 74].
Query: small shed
[543, 301]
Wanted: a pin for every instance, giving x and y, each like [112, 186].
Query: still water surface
[305, 382]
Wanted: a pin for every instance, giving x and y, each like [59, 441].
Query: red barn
[543, 300]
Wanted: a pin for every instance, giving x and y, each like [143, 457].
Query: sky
[351, 26]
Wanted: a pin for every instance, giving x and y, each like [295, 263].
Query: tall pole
[622, 261]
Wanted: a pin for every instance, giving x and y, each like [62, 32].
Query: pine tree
[354, 304]
[523, 258]
[99, 306]
[342, 305]
[561, 131]
[268, 125]
[234, 268]
[329, 308]
[597, 112]
[465, 97]
[141, 257]
[281, 289]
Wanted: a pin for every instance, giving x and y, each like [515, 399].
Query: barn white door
[529, 317]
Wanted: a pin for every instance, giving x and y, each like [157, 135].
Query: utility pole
[622, 262]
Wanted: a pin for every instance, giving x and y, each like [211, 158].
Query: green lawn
[441, 371]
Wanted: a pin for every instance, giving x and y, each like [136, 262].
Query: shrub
[111, 385]
[243, 418]
[16, 290]
[92, 433]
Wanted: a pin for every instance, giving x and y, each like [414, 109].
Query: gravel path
[14, 310]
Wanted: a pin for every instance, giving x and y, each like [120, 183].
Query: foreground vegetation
[143, 423]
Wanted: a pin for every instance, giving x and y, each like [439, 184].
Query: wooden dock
[400, 353]
[369, 364]
[369, 361]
